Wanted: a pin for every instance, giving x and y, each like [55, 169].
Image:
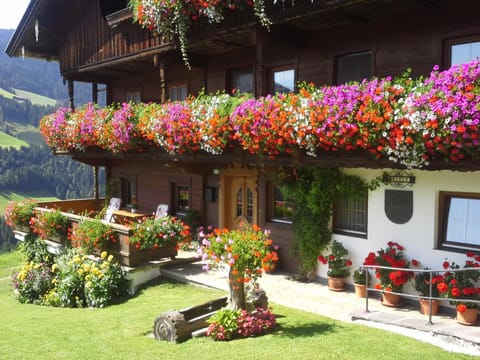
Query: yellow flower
[88, 284]
[103, 255]
[110, 258]
[80, 271]
[86, 267]
[77, 259]
[54, 267]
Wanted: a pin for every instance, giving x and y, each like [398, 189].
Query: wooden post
[70, 94]
[95, 182]
[95, 92]
[163, 91]
[259, 69]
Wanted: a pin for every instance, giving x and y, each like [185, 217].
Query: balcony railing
[83, 209]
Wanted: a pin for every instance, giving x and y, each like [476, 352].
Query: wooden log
[177, 326]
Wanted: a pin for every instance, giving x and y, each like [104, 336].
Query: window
[181, 198]
[353, 67]
[282, 206]
[459, 220]
[463, 52]
[350, 215]
[178, 92]
[241, 80]
[283, 81]
[134, 97]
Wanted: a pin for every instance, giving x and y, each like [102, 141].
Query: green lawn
[6, 196]
[10, 141]
[123, 331]
[35, 99]
[6, 94]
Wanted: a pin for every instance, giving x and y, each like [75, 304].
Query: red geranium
[392, 256]
[461, 284]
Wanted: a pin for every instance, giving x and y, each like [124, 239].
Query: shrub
[223, 324]
[338, 261]
[35, 249]
[50, 224]
[91, 234]
[74, 280]
[228, 324]
[19, 213]
[167, 231]
[359, 276]
[85, 281]
[32, 282]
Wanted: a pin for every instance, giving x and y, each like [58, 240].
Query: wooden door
[240, 199]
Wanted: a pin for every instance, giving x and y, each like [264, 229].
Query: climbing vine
[314, 192]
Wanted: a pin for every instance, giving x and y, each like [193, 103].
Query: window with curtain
[350, 215]
[459, 221]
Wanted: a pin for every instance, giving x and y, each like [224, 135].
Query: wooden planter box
[126, 254]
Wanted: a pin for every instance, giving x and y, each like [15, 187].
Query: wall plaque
[399, 205]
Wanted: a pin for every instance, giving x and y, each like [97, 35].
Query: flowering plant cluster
[175, 17]
[228, 324]
[405, 120]
[73, 280]
[48, 224]
[461, 285]
[91, 234]
[338, 263]
[19, 213]
[248, 251]
[167, 231]
[392, 256]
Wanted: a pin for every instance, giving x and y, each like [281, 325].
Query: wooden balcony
[82, 210]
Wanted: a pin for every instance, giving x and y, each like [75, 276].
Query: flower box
[128, 255]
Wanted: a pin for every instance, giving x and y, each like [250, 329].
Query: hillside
[30, 89]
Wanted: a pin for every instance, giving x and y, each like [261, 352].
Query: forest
[34, 168]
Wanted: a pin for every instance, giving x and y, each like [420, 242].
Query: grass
[36, 99]
[6, 196]
[10, 141]
[25, 132]
[10, 262]
[123, 331]
[6, 94]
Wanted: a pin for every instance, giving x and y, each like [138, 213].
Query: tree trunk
[237, 291]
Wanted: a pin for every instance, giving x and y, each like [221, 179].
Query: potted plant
[18, 214]
[92, 234]
[50, 224]
[427, 289]
[460, 285]
[391, 281]
[361, 281]
[167, 231]
[338, 266]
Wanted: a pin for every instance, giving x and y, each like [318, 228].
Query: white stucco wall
[419, 234]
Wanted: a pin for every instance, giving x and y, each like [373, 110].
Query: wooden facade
[306, 36]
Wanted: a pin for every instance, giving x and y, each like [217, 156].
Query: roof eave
[17, 41]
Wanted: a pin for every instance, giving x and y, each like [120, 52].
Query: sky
[11, 11]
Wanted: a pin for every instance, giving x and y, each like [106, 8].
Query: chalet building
[321, 42]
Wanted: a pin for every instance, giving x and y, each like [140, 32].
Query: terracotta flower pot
[425, 306]
[469, 317]
[360, 290]
[336, 284]
[391, 300]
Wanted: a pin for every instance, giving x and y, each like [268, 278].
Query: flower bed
[405, 120]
